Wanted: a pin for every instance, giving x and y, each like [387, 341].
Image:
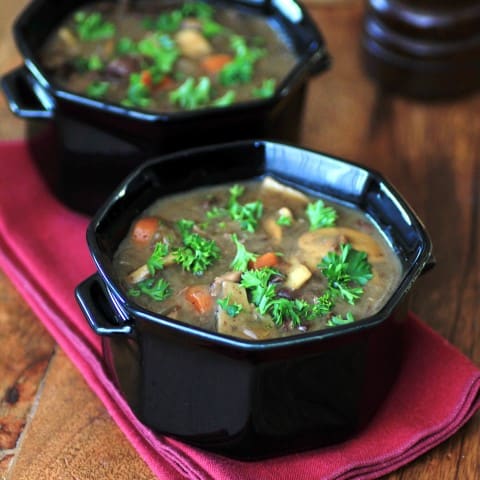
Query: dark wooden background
[51, 424]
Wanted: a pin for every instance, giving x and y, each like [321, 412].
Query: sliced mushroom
[138, 275]
[269, 185]
[313, 246]
[273, 230]
[142, 272]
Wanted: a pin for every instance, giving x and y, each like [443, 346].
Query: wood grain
[52, 426]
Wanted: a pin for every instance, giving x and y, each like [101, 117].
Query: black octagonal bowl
[240, 398]
[91, 146]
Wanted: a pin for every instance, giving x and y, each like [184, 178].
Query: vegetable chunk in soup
[258, 260]
[168, 56]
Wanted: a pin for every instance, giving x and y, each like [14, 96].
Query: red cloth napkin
[43, 251]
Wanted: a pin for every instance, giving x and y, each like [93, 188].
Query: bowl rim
[129, 311]
[313, 60]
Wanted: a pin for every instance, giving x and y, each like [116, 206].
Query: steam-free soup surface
[257, 260]
[168, 56]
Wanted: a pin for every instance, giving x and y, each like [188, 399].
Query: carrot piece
[199, 296]
[269, 259]
[214, 63]
[165, 83]
[146, 78]
[144, 229]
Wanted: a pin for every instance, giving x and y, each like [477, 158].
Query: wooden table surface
[51, 424]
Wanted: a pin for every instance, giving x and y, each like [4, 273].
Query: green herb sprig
[91, 27]
[347, 272]
[197, 252]
[158, 290]
[320, 216]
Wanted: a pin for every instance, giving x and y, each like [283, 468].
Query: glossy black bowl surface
[99, 143]
[426, 49]
[251, 399]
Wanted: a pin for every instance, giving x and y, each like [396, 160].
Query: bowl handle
[97, 310]
[430, 263]
[26, 98]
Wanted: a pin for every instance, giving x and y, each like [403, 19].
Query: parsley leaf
[190, 96]
[248, 214]
[240, 69]
[197, 253]
[157, 258]
[266, 89]
[159, 289]
[161, 49]
[97, 89]
[92, 27]
[232, 309]
[256, 283]
[198, 10]
[242, 257]
[320, 216]
[126, 45]
[346, 272]
[225, 100]
[337, 320]
[138, 94]
[168, 22]
[284, 221]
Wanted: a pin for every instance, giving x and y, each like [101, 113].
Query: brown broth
[64, 54]
[193, 205]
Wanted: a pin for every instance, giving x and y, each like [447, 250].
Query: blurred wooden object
[423, 48]
[53, 427]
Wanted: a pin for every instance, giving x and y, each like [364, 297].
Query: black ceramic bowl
[427, 49]
[97, 144]
[250, 399]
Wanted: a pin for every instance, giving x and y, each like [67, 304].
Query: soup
[257, 260]
[167, 57]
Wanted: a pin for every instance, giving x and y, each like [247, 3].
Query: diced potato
[192, 43]
[271, 185]
[236, 294]
[297, 275]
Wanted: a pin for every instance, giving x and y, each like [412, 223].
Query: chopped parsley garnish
[161, 49]
[210, 28]
[243, 257]
[284, 221]
[156, 261]
[197, 252]
[190, 95]
[248, 214]
[138, 94]
[320, 216]
[198, 10]
[266, 89]
[347, 272]
[93, 63]
[159, 289]
[232, 309]
[97, 89]
[126, 45]
[338, 320]
[225, 100]
[240, 69]
[168, 22]
[92, 26]
[263, 295]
